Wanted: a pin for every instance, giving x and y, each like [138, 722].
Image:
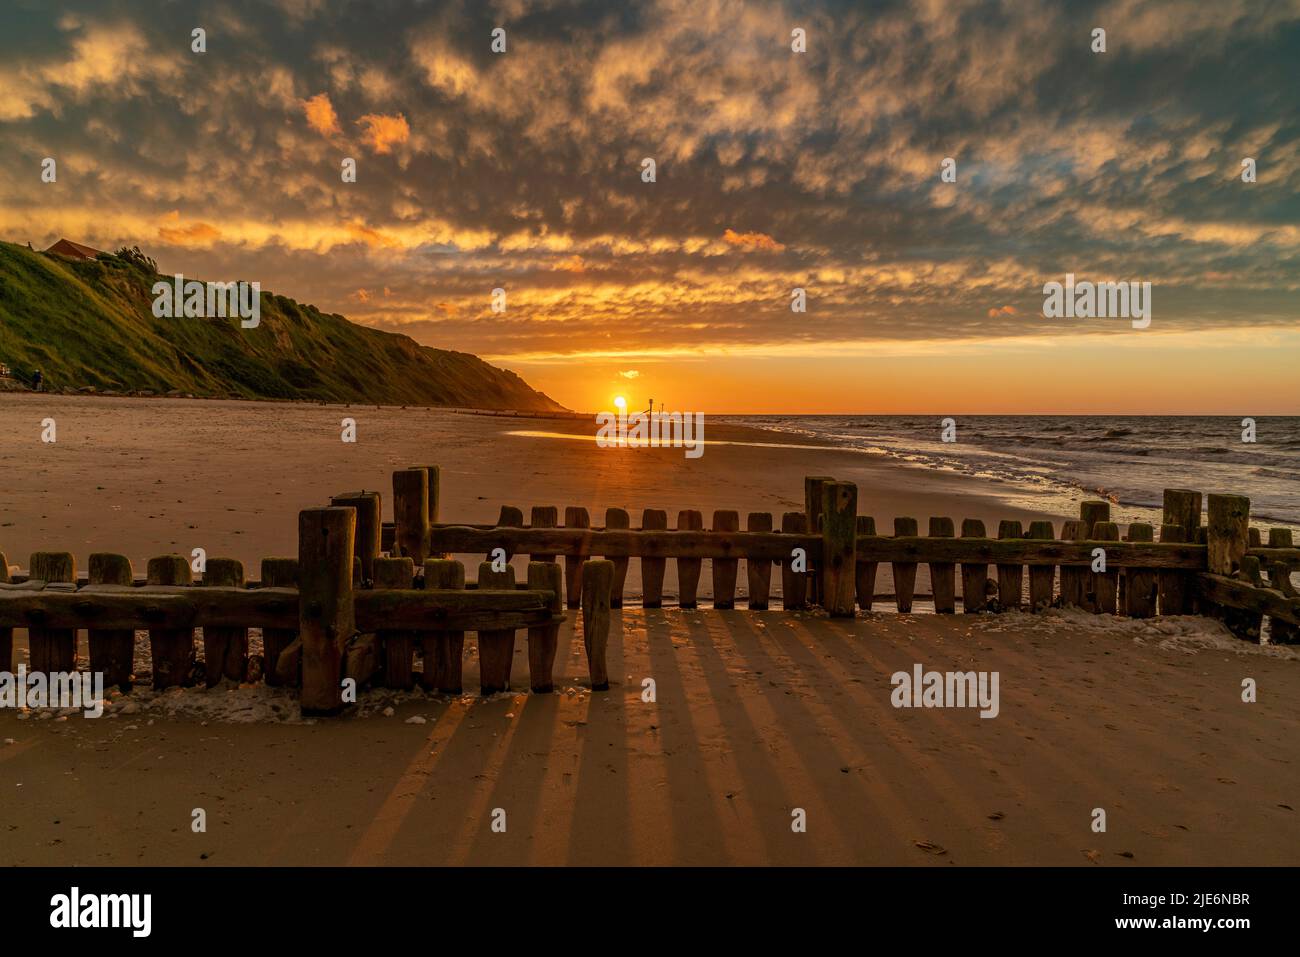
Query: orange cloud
[372, 237]
[752, 241]
[630, 374]
[193, 234]
[1002, 311]
[572, 264]
[382, 132]
[446, 308]
[321, 116]
[362, 295]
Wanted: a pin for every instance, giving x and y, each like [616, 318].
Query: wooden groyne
[365, 597]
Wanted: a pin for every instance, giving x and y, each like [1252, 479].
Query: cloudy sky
[775, 170]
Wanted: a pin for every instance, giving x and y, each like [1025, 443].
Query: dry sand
[756, 714]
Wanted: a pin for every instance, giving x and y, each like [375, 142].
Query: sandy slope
[756, 714]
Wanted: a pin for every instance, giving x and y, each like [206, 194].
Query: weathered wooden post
[52, 649]
[434, 487]
[398, 647]
[865, 574]
[1011, 578]
[1279, 578]
[7, 633]
[943, 575]
[543, 516]
[326, 601]
[543, 639]
[688, 569]
[575, 517]
[599, 577]
[974, 575]
[758, 571]
[1091, 514]
[496, 648]
[904, 572]
[508, 517]
[1182, 509]
[725, 569]
[1140, 590]
[1073, 576]
[1041, 577]
[112, 651]
[411, 514]
[652, 569]
[1105, 585]
[369, 527]
[839, 547]
[1227, 538]
[444, 651]
[225, 649]
[172, 649]
[794, 590]
[812, 501]
[616, 519]
[278, 573]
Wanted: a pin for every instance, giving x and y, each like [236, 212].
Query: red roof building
[66, 247]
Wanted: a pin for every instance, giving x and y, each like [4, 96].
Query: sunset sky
[775, 170]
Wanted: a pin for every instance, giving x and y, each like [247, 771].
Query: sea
[1128, 460]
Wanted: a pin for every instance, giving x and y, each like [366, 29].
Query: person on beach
[37, 379]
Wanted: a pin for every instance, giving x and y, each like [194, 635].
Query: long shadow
[690, 799]
[604, 754]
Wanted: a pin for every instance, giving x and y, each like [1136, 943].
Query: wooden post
[1105, 585]
[688, 569]
[496, 649]
[52, 649]
[865, 574]
[974, 576]
[543, 639]
[616, 518]
[1247, 624]
[1090, 513]
[839, 547]
[277, 573]
[112, 652]
[794, 590]
[599, 577]
[1011, 578]
[543, 516]
[1279, 578]
[1041, 577]
[1140, 590]
[509, 517]
[725, 569]
[1227, 538]
[652, 569]
[1182, 508]
[369, 527]
[7, 633]
[575, 517]
[444, 651]
[397, 647]
[434, 487]
[758, 571]
[943, 575]
[172, 649]
[1174, 586]
[904, 572]
[326, 615]
[1072, 576]
[225, 650]
[812, 502]
[411, 514]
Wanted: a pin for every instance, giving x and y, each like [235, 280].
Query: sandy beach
[755, 714]
[154, 477]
